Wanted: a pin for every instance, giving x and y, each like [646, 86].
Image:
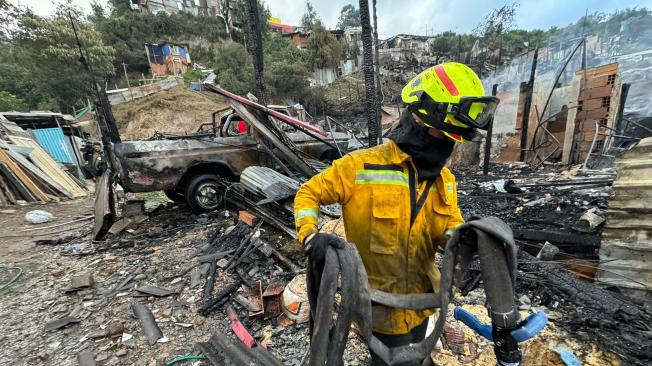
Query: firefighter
[398, 198]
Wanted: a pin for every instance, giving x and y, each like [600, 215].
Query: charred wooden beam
[613, 320]
[220, 298]
[578, 242]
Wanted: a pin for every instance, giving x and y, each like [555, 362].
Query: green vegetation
[310, 18]
[40, 69]
[9, 102]
[127, 32]
[193, 75]
[349, 17]
[634, 26]
[40, 62]
[233, 67]
[323, 48]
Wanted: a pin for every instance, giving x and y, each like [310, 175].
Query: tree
[496, 23]
[128, 32]
[310, 18]
[349, 17]
[263, 15]
[286, 71]
[8, 15]
[444, 43]
[233, 67]
[42, 65]
[368, 72]
[324, 49]
[119, 7]
[9, 102]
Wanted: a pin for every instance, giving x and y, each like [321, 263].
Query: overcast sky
[415, 16]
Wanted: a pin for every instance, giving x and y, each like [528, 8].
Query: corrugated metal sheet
[626, 251]
[268, 182]
[56, 144]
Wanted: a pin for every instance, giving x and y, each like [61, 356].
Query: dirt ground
[154, 253]
[17, 245]
[174, 111]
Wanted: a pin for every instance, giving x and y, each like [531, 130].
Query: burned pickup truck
[191, 168]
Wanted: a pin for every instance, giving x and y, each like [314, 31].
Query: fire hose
[489, 237]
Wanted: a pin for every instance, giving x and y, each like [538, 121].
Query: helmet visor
[476, 111]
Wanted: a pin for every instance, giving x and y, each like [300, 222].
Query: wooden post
[487, 145]
[527, 105]
[124, 67]
[368, 72]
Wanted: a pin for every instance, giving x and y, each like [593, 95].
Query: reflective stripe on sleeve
[305, 212]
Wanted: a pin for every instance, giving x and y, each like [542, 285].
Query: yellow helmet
[450, 97]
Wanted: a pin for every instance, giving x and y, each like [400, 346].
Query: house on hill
[168, 57]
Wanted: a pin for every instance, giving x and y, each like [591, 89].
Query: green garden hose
[11, 282]
[185, 358]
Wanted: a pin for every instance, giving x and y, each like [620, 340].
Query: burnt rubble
[161, 288]
[553, 212]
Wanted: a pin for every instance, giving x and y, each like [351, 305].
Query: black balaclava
[428, 153]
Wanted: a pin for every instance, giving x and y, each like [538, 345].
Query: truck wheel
[174, 195]
[204, 193]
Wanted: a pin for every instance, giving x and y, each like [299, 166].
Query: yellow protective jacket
[378, 189]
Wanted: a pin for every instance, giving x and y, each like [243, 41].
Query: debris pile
[562, 208]
[28, 173]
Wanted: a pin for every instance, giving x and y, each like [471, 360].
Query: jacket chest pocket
[443, 211]
[387, 209]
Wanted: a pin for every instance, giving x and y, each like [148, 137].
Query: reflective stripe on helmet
[448, 83]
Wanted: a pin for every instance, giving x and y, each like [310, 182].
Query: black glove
[317, 246]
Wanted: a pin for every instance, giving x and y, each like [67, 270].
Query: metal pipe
[290, 120]
[595, 137]
[289, 154]
[330, 130]
[147, 322]
[545, 106]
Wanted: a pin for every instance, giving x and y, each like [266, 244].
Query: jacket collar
[397, 155]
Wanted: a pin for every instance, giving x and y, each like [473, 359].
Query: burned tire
[175, 195]
[204, 193]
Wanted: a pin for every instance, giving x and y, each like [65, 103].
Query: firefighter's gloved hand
[317, 244]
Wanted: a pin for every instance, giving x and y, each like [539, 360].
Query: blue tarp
[166, 49]
[56, 144]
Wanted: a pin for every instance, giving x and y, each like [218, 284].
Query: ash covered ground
[162, 251]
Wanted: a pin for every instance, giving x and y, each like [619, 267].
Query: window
[611, 79]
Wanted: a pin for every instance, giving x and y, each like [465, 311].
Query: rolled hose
[499, 288]
[327, 347]
[497, 257]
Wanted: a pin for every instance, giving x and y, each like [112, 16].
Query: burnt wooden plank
[8, 193]
[20, 174]
[588, 241]
[16, 184]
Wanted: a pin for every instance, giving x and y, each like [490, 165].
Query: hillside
[174, 111]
